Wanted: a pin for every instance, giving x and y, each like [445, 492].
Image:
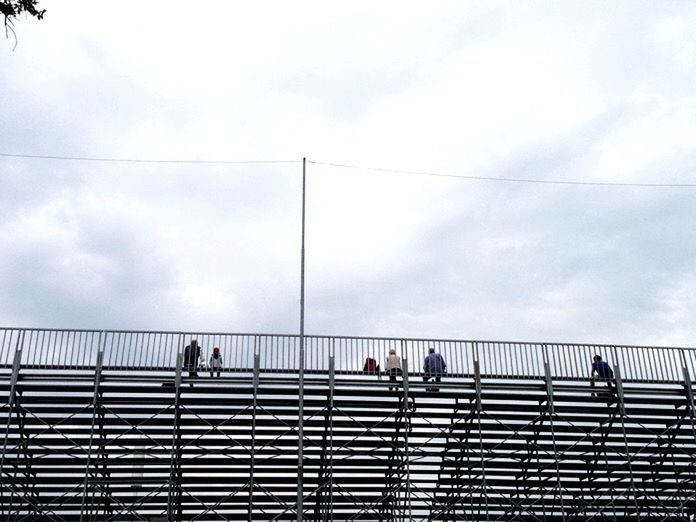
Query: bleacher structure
[108, 426]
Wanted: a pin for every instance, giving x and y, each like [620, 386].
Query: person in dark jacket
[434, 367]
[370, 365]
[603, 371]
[192, 353]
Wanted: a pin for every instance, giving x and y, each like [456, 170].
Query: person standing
[434, 366]
[215, 363]
[192, 353]
[393, 368]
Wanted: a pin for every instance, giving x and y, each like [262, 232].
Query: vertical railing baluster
[74, 353]
[59, 348]
[650, 371]
[118, 351]
[40, 347]
[29, 349]
[500, 351]
[71, 350]
[635, 368]
[161, 362]
[580, 361]
[653, 370]
[3, 354]
[676, 368]
[662, 364]
[568, 370]
[34, 343]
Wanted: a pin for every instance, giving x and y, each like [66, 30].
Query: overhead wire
[503, 179]
[359, 167]
[128, 160]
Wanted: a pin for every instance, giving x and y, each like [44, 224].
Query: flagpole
[300, 412]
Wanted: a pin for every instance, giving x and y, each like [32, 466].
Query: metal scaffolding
[108, 425]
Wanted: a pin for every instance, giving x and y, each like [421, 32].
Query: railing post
[688, 387]
[477, 377]
[404, 364]
[16, 363]
[619, 389]
[549, 388]
[332, 376]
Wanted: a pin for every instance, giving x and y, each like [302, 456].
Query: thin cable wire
[510, 180]
[125, 160]
[357, 167]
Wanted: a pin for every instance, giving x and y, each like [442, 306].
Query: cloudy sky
[579, 91]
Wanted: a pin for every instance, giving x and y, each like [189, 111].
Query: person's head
[597, 358]
[216, 349]
[194, 343]
[392, 351]
[431, 349]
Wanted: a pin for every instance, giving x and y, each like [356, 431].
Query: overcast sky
[549, 90]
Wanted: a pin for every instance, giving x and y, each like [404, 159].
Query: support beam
[407, 429]
[332, 383]
[551, 410]
[12, 397]
[174, 490]
[548, 381]
[479, 411]
[689, 393]
[459, 444]
[257, 369]
[477, 384]
[95, 406]
[622, 417]
[12, 406]
[323, 507]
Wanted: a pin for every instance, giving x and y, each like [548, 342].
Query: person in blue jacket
[603, 371]
[434, 367]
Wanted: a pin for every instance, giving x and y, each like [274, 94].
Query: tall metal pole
[300, 412]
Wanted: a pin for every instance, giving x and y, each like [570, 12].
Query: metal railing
[142, 350]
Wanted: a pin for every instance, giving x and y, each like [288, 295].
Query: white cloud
[525, 91]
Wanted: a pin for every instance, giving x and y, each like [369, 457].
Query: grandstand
[107, 426]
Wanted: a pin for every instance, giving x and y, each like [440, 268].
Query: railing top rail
[351, 337]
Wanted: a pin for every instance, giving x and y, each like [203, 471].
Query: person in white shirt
[215, 364]
[393, 368]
